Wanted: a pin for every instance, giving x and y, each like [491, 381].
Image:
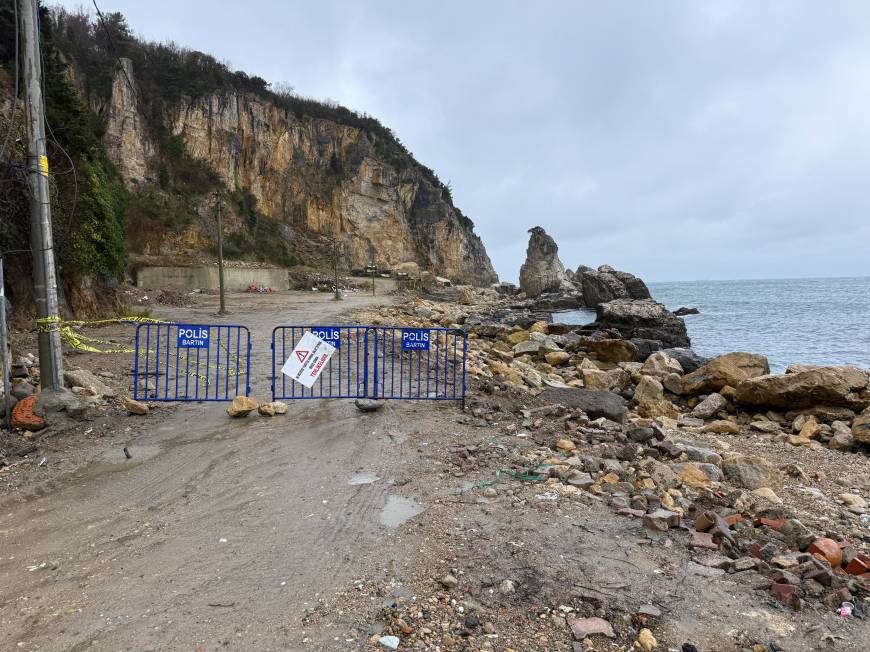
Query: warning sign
[308, 359]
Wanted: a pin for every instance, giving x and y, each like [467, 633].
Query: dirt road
[217, 532]
[325, 528]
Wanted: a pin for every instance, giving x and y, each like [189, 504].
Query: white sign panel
[308, 359]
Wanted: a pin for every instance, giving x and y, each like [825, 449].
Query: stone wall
[206, 277]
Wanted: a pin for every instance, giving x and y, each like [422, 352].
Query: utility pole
[41, 243]
[220, 239]
[337, 296]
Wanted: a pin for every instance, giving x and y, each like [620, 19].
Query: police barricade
[345, 376]
[191, 362]
[382, 362]
[418, 363]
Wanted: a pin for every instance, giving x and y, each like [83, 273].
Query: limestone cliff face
[315, 176]
[125, 140]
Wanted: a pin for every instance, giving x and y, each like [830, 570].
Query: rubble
[23, 415]
[648, 434]
[133, 406]
[242, 406]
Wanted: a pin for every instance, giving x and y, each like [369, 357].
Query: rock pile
[628, 425]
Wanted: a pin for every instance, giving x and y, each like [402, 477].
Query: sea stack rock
[542, 271]
[607, 284]
[643, 320]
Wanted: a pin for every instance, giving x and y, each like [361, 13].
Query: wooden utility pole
[41, 243]
[220, 239]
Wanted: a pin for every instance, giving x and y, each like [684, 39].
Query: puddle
[363, 478]
[114, 460]
[397, 510]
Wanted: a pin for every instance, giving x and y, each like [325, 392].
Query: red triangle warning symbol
[301, 354]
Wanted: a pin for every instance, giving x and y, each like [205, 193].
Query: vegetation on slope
[88, 196]
[91, 207]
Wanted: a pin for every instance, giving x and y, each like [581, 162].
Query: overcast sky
[676, 140]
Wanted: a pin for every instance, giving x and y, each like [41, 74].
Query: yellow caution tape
[81, 342]
[51, 324]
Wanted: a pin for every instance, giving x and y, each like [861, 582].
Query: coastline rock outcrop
[688, 359]
[607, 284]
[727, 370]
[643, 320]
[806, 386]
[542, 271]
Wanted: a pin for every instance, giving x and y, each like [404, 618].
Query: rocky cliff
[314, 177]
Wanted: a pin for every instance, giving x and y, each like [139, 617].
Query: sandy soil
[322, 528]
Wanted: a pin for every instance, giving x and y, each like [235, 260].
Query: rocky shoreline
[624, 410]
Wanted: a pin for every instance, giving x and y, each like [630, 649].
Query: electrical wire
[53, 138]
[115, 51]
[14, 97]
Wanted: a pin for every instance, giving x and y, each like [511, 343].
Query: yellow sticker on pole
[43, 165]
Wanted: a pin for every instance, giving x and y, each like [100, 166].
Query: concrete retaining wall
[206, 278]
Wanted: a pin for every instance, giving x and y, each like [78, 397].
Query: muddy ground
[326, 528]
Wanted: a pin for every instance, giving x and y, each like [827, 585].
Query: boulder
[527, 347]
[635, 287]
[508, 373]
[861, 428]
[645, 319]
[607, 284]
[751, 472]
[242, 406]
[84, 378]
[651, 401]
[466, 296]
[709, 406]
[688, 359]
[729, 369]
[21, 389]
[646, 347]
[556, 358]
[542, 271]
[595, 403]
[516, 337]
[613, 380]
[683, 311]
[271, 409]
[805, 387]
[601, 287]
[134, 407]
[366, 405]
[660, 365]
[611, 350]
[841, 437]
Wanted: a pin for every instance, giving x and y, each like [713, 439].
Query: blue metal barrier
[419, 363]
[383, 362]
[191, 362]
[346, 375]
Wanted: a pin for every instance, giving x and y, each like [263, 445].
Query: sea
[807, 320]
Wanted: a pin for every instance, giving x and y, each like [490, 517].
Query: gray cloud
[677, 140]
